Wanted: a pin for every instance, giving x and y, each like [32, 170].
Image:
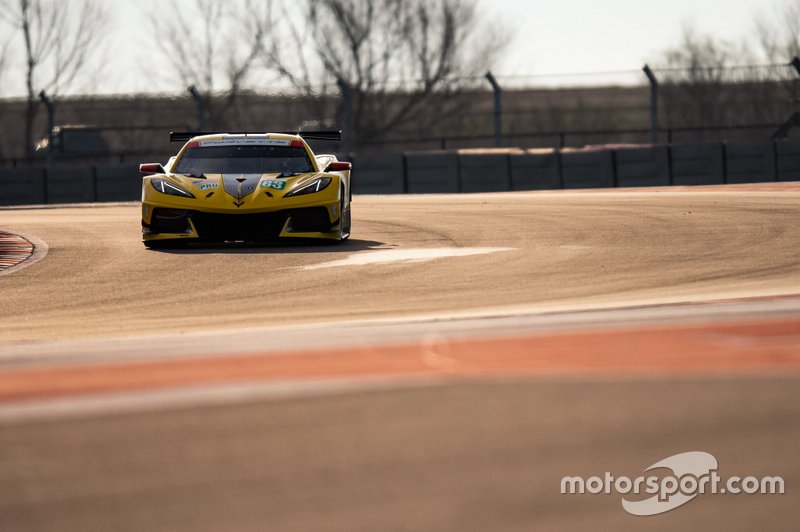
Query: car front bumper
[168, 223]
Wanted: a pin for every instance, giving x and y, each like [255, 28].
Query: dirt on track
[565, 250]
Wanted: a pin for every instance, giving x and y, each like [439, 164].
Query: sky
[568, 36]
[548, 37]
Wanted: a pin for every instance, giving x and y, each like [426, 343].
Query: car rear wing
[184, 136]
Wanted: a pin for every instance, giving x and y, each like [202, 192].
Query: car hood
[239, 186]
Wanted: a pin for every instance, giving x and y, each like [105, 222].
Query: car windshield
[235, 159]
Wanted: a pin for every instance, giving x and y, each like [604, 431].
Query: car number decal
[277, 185]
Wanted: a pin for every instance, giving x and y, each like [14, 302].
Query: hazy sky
[584, 35]
[552, 37]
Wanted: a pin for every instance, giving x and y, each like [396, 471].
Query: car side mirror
[152, 168]
[338, 166]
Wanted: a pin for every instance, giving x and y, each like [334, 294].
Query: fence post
[201, 107]
[498, 110]
[48, 103]
[346, 117]
[651, 77]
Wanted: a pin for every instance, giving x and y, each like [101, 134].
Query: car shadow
[289, 246]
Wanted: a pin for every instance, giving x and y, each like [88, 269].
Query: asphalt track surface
[444, 369]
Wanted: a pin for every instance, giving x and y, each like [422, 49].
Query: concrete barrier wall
[643, 167]
[378, 174]
[70, 184]
[587, 169]
[118, 182]
[749, 162]
[22, 186]
[698, 164]
[787, 160]
[432, 172]
[535, 170]
[484, 172]
[462, 171]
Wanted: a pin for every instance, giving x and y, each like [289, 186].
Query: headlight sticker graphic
[165, 187]
[321, 183]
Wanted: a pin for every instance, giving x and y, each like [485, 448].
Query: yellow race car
[246, 187]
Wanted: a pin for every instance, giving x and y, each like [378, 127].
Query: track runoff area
[447, 368]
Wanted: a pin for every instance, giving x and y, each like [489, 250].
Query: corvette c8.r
[251, 187]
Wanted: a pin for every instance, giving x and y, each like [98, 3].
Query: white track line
[389, 256]
[511, 321]
[217, 394]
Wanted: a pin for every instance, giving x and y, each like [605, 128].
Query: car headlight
[165, 187]
[321, 183]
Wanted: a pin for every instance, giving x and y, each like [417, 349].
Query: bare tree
[708, 83]
[212, 46]
[390, 61]
[4, 54]
[778, 32]
[702, 58]
[59, 40]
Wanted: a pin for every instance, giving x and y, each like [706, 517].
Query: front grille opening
[258, 227]
[231, 227]
[169, 221]
[310, 220]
